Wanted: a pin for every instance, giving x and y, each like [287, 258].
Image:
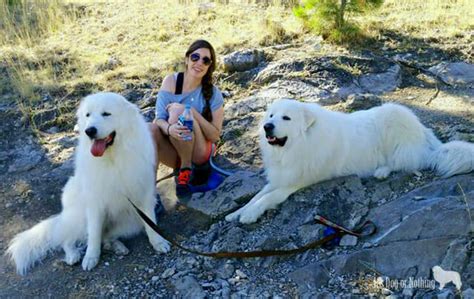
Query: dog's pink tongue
[98, 147]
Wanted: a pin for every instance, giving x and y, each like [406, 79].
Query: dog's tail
[452, 158]
[32, 245]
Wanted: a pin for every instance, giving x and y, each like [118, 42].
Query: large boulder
[331, 79]
[240, 61]
[420, 230]
[235, 190]
[455, 73]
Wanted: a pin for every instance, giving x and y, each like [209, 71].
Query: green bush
[327, 17]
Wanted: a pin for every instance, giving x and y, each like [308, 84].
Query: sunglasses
[195, 57]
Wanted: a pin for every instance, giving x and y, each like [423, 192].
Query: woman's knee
[174, 112]
[201, 154]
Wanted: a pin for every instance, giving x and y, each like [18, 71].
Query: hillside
[417, 53]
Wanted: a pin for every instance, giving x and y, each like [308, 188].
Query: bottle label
[188, 124]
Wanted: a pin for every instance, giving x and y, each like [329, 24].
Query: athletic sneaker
[184, 176]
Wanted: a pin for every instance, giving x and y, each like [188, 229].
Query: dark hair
[207, 85]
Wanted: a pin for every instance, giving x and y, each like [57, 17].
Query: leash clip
[367, 228]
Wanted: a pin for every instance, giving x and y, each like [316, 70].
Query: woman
[194, 87]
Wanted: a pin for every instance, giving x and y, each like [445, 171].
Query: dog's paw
[72, 257]
[160, 245]
[250, 216]
[235, 215]
[89, 262]
[382, 172]
[116, 247]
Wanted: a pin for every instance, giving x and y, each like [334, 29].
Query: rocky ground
[422, 220]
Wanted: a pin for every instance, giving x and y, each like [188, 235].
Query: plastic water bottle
[186, 119]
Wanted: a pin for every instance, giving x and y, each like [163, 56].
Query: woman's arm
[163, 125]
[210, 130]
[168, 85]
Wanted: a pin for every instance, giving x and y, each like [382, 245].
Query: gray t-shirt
[195, 98]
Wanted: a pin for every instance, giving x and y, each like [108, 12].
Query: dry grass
[423, 18]
[115, 41]
[73, 47]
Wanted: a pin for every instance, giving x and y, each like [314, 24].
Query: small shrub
[327, 17]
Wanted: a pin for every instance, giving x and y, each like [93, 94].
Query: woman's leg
[165, 150]
[183, 148]
[201, 150]
[196, 150]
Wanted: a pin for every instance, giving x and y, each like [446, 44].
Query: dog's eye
[286, 118]
[271, 115]
[88, 114]
[105, 114]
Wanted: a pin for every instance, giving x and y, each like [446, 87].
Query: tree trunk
[340, 15]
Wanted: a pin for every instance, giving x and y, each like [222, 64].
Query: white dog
[444, 277]
[303, 144]
[114, 161]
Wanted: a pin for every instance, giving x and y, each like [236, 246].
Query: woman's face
[198, 62]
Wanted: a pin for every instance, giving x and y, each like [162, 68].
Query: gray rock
[406, 219]
[445, 294]
[406, 228]
[468, 293]
[457, 255]
[342, 200]
[319, 72]
[408, 292]
[381, 82]
[395, 260]
[455, 73]
[188, 287]
[241, 137]
[309, 232]
[240, 274]
[362, 102]
[310, 279]
[326, 80]
[234, 191]
[243, 60]
[225, 292]
[226, 271]
[348, 240]
[469, 279]
[252, 104]
[232, 239]
[27, 158]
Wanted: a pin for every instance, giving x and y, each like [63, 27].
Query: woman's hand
[178, 131]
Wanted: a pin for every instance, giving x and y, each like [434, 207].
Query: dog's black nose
[268, 127]
[91, 132]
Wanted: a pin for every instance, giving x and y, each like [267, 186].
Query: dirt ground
[31, 192]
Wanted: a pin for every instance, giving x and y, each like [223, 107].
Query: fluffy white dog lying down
[444, 277]
[114, 161]
[303, 144]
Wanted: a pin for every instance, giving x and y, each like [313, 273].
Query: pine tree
[327, 17]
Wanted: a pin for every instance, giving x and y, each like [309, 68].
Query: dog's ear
[308, 119]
